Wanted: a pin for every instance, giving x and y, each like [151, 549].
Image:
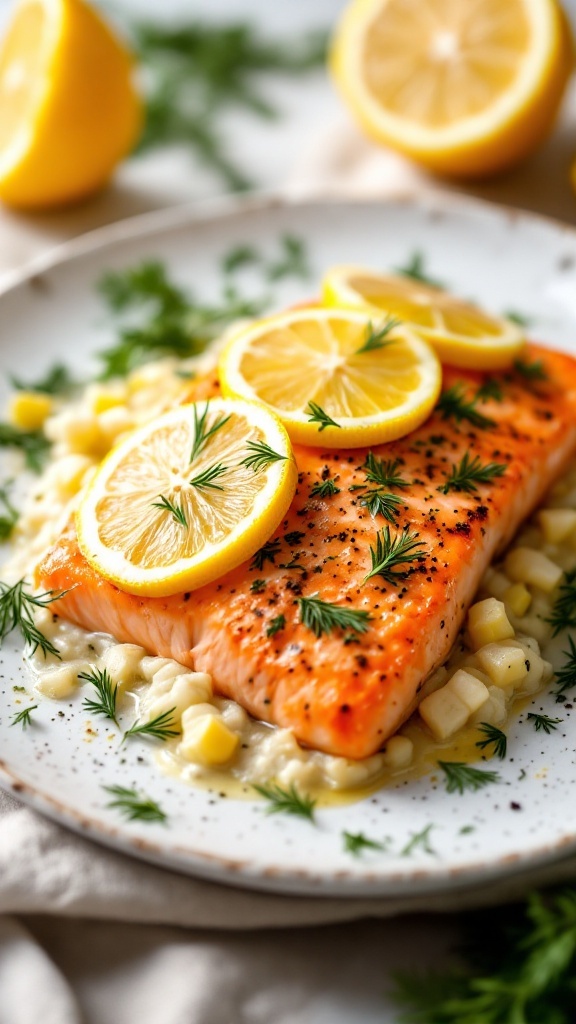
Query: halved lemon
[187, 497]
[69, 110]
[461, 334]
[467, 87]
[337, 378]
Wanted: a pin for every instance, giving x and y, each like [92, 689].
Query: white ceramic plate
[507, 261]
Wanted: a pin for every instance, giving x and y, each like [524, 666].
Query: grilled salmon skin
[344, 691]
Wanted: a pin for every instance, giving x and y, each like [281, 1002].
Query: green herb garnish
[257, 586]
[203, 432]
[419, 840]
[356, 842]
[206, 478]
[414, 269]
[324, 489]
[267, 553]
[493, 737]
[382, 503]
[385, 474]
[287, 801]
[534, 371]
[240, 256]
[260, 456]
[323, 616]
[453, 404]
[275, 625]
[317, 415]
[470, 472]
[33, 444]
[57, 381]
[175, 510]
[543, 722]
[294, 537]
[24, 718]
[106, 690]
[377, 337]
[10, 515]
[490, 389]
[564, 611]
[461, 776]
[159, 728]
[17, 610]
[518, 318]
[566, 676]
[134, 806]
[293, 261]
[390, 552]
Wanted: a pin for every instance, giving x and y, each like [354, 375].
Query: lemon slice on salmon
[337, 378]
[466, 87]
[461, 334]
[187, 497]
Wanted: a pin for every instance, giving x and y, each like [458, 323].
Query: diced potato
[524, 565]
[495, 583]
[177, 694]
[479, 674]
[434, 681]
[123, 662]
[536, 627]
[398, 752]
[102, 397]
[534, 665]
[468, 689]
[209, 741]
[557, 523]
[27, 410]
[444, 713]
[506, 666]
[78, 431]
[62, 681]
[68, 473]
[488, 623]
[493, 710]
[114, 422]
[518, 599]
[161, 669]
[196, 711]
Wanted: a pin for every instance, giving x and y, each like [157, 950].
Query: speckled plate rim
[187, 859]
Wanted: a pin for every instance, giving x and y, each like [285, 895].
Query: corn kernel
[209, 741]
[506, 666]
[557, 523]
[518, 598]
[524, 565]
[488, 623]
[28, 410]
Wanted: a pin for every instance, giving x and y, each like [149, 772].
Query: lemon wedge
[466, 88]
[461, 334]
[336, 378]
[187, 497]
[69, 110]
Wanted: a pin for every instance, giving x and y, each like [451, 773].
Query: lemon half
[202, 460]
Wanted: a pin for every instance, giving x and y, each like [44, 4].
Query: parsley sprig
[453, 404]
[469, 472]
[106, 692]
[317, 415]
[460, 777]
[389, 552]
[324, 616]
[260, 456]
[17, 605]
[287, 801]
[133, 805]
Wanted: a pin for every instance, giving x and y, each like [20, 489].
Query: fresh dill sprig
[377, 337]
[453, 404]
[257, 586]
[414, 268]
[33, 444]
[267, 553]
[275, 626]
[564, 611]
[493, 737]
[490, 389]
[543, 722]
[323, 616]
[17, 610]
[293, 261]
[287, 801]
[324, 489]
[294, 537]
[260, 456]
[534, 371]
[356, 842]
[317, 415]
[461, 776]
[382, 503]
[175, 510]
[133, 805]
[24, 717]
[159, 728]
[294, 563]
[518, 318]
[207, 476]
[389, 552]
[385, 474]
[566, 676]
[10, 515]
[238, 257]
[419, 840]
[106, 690]
[202, 431]
[56, 381]
[470, 472]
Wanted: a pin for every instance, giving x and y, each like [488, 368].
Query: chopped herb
[293, 564]
[203, 432]
[17, 610]
[159, 728]
[377, 337]
[10, 516]
[33, 444]
[294, 537]
[323, 616]
[466, 830]
[267, 553]
[275, 625]
[470, 472]
[493, 737]
[390, 552]
[518, 318]
[260, 456]
[564, 611]
[24, 718]
[176, 511]
[207, 476]
[57, 381]
[257, 586]
[292, 263]
[419, 839]
[534, 371]
[454, 404]
[107, 693]
[414, 269]
[566, 676]
[543, 722]
[461, 776]
[385, 474]
[382, 503]
[287, 801]
[134, 806]
[490, 389]
[324, 489]
[240, 256]
[356, 842]
[317, 415]
[185, 374]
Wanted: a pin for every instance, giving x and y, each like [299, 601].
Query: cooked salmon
[346, 691]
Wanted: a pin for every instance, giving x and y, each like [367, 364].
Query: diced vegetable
[28, 410]
[557, 523]
[488, 623]
[469, 689]
[528, 566]
[518, 599]
[209, 741]
[61, 681]
[506, 666]
[398, 752]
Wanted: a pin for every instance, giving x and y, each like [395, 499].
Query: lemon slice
[467, 88]
[187, 497]
[461, 334]
[68, 107]
[335, 379]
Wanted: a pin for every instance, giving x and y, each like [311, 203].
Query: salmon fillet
[343, 692]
